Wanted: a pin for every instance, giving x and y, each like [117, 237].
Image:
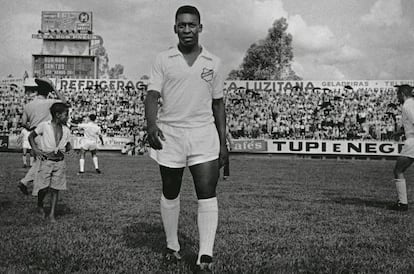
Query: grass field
[276, 216]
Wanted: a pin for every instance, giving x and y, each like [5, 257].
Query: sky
[332, 39]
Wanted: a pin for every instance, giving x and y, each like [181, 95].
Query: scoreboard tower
[67, 50]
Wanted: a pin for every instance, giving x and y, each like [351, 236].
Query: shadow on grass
[361, 202]
[152, 236]
[61, 209]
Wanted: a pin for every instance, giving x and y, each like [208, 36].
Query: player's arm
[151, 110]
[35, 148]
[220, 122]
[25, 120]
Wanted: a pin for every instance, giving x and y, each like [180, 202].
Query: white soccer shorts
[86, 144]
[408, 148]
[187, 146]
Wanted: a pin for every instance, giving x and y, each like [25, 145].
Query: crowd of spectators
[120, 113]
[293, 114]
[313, 114]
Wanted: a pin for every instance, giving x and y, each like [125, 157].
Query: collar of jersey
[173, 51]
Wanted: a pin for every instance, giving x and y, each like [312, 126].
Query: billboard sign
[60, 66]
[310, 86]
[112, 84]
[249, 145]
[64, 35]
[66, 21]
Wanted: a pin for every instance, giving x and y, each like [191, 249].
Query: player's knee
[398, 171]
[170, 193]
[206, 193]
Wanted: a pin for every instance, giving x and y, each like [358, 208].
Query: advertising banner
[308, 86]
[110, 143]
[248, 145]
[318, 147]
[64, 35]
[115, 84]
[76, 21]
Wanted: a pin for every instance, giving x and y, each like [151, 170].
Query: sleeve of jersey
[24, 117]
[68, 135]
[409, 111]
[218, 82]
[40, 128]
[156, 75]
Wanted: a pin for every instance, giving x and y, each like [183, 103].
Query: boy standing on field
[53, 141]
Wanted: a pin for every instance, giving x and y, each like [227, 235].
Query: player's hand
[223, 156]
[154, 136]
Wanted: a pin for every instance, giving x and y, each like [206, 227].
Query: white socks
[95, 162]
[81, 165]
[401, 190]
[207, 221]
[170, 211]
[207, 225]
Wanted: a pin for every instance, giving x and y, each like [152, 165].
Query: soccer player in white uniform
[24, 138]
[406, 158]
[89, 142]
[189, 131]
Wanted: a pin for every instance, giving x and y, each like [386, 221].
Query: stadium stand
[318, 114]
[293, 114]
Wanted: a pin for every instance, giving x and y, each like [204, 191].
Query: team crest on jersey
[207, 74]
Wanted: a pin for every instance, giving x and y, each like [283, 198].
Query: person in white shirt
[406, 157]
[89, 142]
[189, 130]
[24, 140]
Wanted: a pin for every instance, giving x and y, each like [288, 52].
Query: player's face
[187, 27]
[63, 117]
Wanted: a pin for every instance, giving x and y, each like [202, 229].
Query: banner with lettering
[319, 85]
[318, 147]
[112, 84]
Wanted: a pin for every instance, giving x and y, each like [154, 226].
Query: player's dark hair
[406, 90]
[42, 91]
[92, 117]
[189, 10]
[58, 108]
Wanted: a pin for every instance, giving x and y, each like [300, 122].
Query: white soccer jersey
[186, 91]
[408, 117]
[91, 131]
[25, 139]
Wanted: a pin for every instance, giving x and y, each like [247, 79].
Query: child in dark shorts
[54, 137]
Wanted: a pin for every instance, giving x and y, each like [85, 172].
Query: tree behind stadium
[269, 59]
[104, 71]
